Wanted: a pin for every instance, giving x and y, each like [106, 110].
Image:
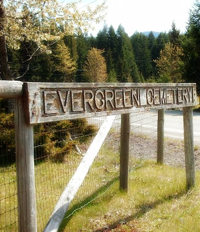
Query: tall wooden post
[189, 146]
[160, 137]
[124, 151]
[25, 170]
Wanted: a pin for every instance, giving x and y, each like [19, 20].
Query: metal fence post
[124, 151]
[25, 170]
[189, 146]
[160, 137]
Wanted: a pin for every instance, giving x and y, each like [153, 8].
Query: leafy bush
[7, 139]
[64, 135]
[51, 140]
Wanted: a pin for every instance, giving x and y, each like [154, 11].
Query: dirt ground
[146, 148]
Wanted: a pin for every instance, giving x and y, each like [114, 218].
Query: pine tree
[95, 66]
[152, 46]
[83, 47]
[102, 39]
[174, 36]
[127, 70]
[161, 40]
[63, 65]
[191, 47]
[142, 54]
[169, 64]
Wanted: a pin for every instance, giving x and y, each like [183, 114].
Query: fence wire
[8, 182]
[59, 149]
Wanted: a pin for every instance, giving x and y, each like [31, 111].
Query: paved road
[173, 126]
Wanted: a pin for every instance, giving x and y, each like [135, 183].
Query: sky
[145, 15]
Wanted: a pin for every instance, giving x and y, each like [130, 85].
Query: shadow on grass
[142, 210]
[86, 202]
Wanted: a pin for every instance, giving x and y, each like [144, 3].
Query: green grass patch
[157, 200]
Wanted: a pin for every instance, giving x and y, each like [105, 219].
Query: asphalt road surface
[173, 123]
[146, 122]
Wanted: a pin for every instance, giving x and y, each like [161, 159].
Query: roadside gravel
[143, 147]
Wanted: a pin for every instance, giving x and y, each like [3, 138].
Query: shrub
[51, 140]
[7, 139]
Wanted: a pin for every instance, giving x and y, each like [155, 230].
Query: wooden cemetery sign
[48, 102]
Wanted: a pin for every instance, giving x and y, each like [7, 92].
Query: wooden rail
[11, 89]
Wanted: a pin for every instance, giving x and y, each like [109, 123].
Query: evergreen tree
[111, 56]
[71, 43]
[95, 66]
[169, 64]
[83, 47]
[63, 66]
[191, 47]
[127, 70]
[102, 39]
[36, 68]
[152, 46]
[174, 36]
[142, 54]
[161, 40]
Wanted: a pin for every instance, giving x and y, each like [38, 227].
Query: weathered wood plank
[57, 101]
[160, 137]
[124, 151]
[11, 89]
[77, 179]
[27, 219]
[189, 146]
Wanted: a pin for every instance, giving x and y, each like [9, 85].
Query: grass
[156, 200]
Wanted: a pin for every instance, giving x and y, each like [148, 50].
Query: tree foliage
[63, 64]
[127, 68]
[191, 47]
[41, 22]
[169, 64]
[95, 66]
[142, 54]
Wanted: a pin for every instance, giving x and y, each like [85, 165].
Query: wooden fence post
[124, 151]
[27, 221]
[189, 146]
[160, 137]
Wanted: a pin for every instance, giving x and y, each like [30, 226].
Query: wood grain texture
[27, 218]
[124, 151]
[189, 146]
[11, 89]
[61, 101]
[160, 137]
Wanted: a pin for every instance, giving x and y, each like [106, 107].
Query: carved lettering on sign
[81, 100]
[112, 99]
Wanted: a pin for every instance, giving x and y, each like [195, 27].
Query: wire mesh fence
[8, 182]
[59, 148]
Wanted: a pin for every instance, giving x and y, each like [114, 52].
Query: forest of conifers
[138, 58]
[169, 57]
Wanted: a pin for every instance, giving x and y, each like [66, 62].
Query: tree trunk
[5, 70]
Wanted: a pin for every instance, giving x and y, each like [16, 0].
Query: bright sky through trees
[145, 15]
